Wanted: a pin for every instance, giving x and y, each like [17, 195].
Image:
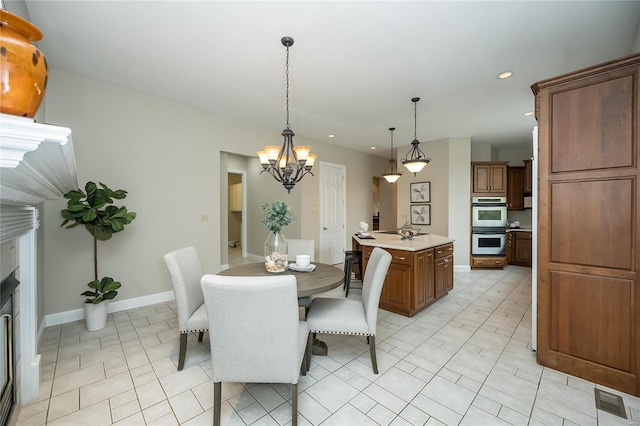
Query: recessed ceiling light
[528, 113]
[332, 136]
[505, 74]
[373, 147]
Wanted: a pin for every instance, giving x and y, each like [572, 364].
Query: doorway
[384, 205]
[332, 212]
[236, 214]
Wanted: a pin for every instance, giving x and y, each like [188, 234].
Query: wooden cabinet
[510, 246]
[488, 262]
[489, 178]
[443, 270]
[519, 248]
[588, 256]
[522, 248]
[412, 279]
[528, 177]
[515, 188]
[235, 197]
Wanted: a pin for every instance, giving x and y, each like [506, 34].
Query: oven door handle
[8, 324]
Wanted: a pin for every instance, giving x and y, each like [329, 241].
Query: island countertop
[394, 241]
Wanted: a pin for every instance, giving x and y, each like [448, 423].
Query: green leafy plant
[105, 289]
[277, 215]
[94, 209]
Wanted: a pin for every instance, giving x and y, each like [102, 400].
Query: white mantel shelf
[395, 241]
[36, 161]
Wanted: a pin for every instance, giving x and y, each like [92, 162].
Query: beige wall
[167, 155]
[449, 174]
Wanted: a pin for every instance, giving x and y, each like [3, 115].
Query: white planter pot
[96, 315]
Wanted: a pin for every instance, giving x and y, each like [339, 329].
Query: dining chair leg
[294, 404]
[372, 349]
[183, 350]
[217, 403]
[200, 336]
[309, 349]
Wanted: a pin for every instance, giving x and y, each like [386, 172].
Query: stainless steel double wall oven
[489, 226]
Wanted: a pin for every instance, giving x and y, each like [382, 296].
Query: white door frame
[323, 241]
[243, 228]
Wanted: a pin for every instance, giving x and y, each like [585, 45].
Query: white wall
[167, 155]
[449, 174]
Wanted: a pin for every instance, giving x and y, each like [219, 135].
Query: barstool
[351, 257]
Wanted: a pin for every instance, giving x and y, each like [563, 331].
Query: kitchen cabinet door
[515, 188]
[522, 248]
[489, 178]
[397, 287]
[528, 176]
[423, 276]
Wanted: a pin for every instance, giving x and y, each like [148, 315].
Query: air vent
[610, 403]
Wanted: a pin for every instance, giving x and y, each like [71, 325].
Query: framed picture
[420, 192]
[421, 214]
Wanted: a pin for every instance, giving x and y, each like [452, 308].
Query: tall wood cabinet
[588, 218]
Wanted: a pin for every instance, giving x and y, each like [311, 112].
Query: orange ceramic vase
[23, 67]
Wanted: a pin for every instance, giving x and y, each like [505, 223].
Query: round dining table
[323, 278]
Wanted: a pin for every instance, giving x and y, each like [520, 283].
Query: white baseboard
[117, 306]
[462, 268]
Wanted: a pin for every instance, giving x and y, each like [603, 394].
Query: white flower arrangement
[364, 226]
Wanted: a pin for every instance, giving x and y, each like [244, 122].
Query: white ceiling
[354, 66]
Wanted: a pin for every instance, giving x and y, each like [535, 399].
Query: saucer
[295, 267]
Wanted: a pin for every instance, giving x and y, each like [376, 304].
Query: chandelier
[391, 173]
[287, 164]
[415, 159]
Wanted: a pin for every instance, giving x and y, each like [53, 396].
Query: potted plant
[277, 215]
[94, 209]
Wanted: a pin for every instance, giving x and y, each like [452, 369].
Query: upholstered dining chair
[299, 246]
[255, 333]
[185, 272]
[350, 316]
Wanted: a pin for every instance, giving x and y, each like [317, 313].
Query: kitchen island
[420, 273]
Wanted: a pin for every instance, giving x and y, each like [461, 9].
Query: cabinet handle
[439, 251]
[497, 261]
[450, 248]
[399, 258]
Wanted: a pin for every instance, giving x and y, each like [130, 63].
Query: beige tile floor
[466, 360]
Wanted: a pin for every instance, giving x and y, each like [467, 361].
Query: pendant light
[415, 159]
[287, 164]
[391, 173]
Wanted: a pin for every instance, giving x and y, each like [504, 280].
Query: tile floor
[466, 360]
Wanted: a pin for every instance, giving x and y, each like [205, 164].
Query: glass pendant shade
[288, 164]
[391, 173]
[415, 159]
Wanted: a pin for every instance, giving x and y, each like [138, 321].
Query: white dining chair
[185, 272]
[349, 316]
[300, 246]
[255, 333]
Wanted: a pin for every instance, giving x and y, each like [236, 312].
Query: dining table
[323, 278]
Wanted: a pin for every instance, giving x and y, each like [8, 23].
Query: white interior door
[332, 212]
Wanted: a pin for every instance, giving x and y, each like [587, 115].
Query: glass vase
[276, 252]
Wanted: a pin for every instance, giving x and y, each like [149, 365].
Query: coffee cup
[303, 260]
